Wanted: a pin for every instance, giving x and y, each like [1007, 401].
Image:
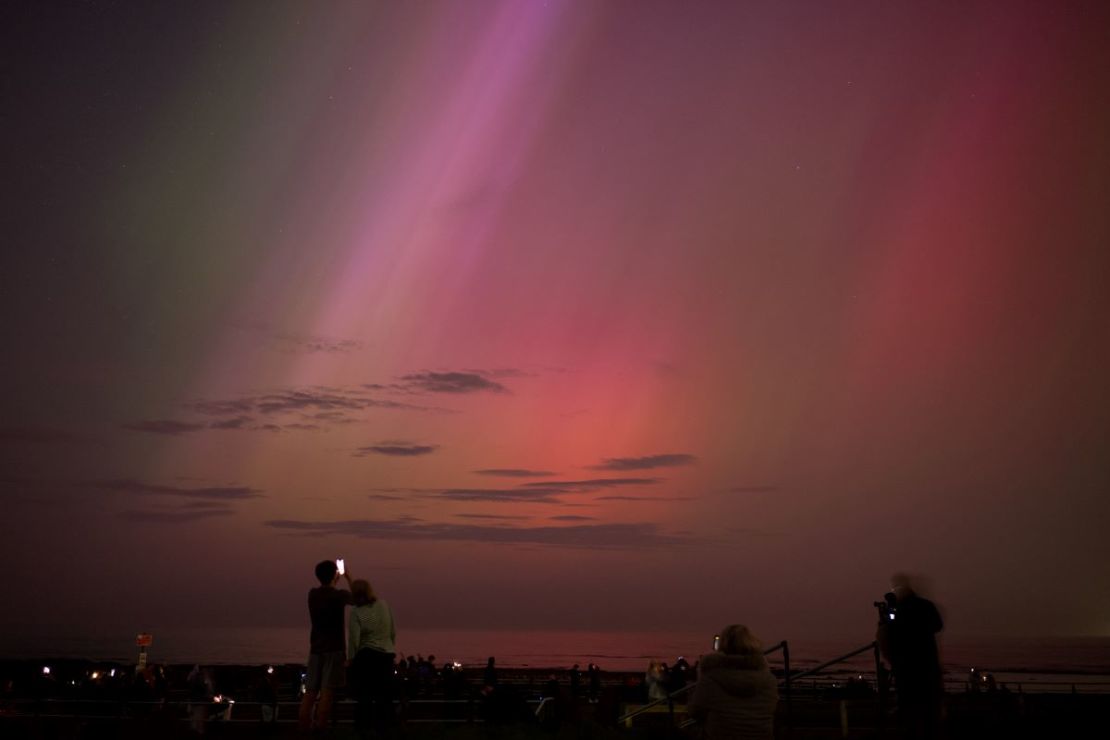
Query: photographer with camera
[908, 626]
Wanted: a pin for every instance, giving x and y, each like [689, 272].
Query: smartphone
[339, 565]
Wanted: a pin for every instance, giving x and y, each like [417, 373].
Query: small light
[269, 669]
[217, 698]
[95, 675]
[112, 673]
[230, 701]
[46, 670]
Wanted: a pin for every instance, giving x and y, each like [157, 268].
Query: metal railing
[669, 698]
[788, 679]
[233, 711]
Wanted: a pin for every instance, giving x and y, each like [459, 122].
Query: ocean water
[1009, 659]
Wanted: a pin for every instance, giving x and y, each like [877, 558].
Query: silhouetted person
[593, 672]
[736, 693]
[266, 694]
[489, 678]
[680, 675]
[370, 648]
[654, 679]
[327, 658]
[907, 637]
[575, 682]
[200, 698]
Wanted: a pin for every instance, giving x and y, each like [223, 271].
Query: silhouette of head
[325, 571]
[362, 592]
[736, 639]
[901, 585]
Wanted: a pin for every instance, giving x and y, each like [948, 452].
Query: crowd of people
[353, 654]
[735, 695]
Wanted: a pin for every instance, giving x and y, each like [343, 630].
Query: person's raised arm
[346, 592]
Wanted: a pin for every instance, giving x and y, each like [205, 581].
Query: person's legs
[323, 709]
[358, 688]
[381, 690]
[304, 720]
[332, 678]
[313, 680]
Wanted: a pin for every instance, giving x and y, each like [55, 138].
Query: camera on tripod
[888, 607]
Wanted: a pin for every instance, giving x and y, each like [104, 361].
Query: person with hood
[736, 694]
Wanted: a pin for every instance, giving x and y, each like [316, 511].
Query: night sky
[621, 315]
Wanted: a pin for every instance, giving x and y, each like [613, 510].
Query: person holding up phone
[327, 649]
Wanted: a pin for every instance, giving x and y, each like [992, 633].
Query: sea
[1047, 663]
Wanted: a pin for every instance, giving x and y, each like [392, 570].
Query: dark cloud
[753, 489]
[503, 517]
[502, 372]
[38, 435]
[323, 404]
[515, 473]
[396, 449]
[672, 460]
[592, 536]
[302, 426]
[218, 493]
[451, 382]
[234, 422]
[385, 497]
[503, 495]
[332, 417]
[319, 400]
[171, 427]
[644, 498]
[591, 484]
[571, 518]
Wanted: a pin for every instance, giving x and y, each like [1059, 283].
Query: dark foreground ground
[79, 699]
[969, 716]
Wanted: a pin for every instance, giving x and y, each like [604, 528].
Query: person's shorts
[326, 671]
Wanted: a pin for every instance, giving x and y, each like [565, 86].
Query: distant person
[490, 677]
[907, 636]
[655, 681]
[199, 686]
[266, 694]
[371, 648]
[575, 682]
[680, 675]
[736, 693]
[326, 657]
[594, 675]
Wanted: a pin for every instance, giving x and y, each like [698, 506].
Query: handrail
[789, 678]
[669, 698]
[834, 661]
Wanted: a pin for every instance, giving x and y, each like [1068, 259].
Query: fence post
[789, 703]
[880, 691]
